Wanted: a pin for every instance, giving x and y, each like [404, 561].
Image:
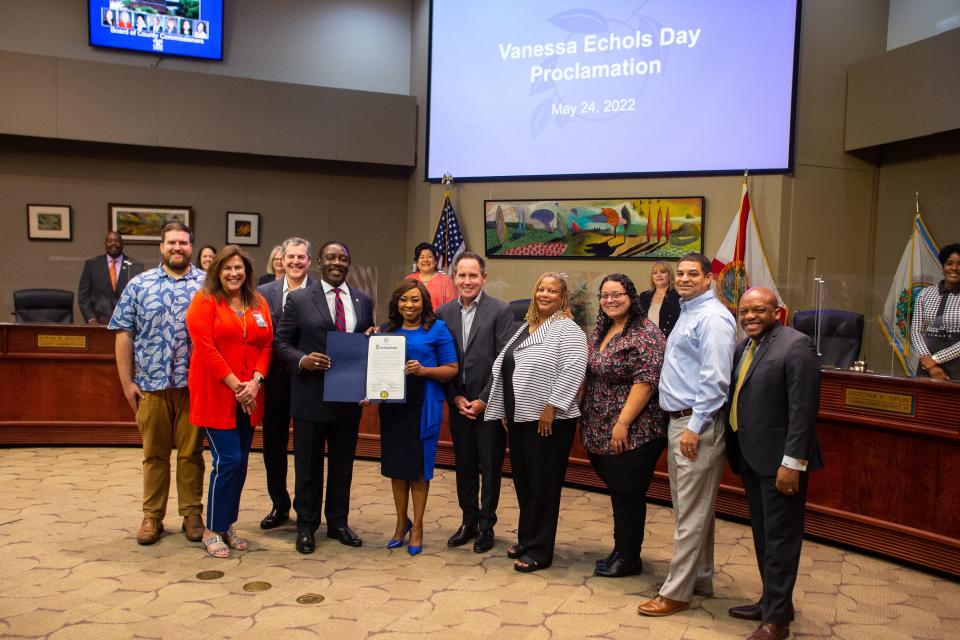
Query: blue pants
[230, 449]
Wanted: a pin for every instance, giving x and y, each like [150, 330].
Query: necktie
[741, 374]
[113, 273]
[341, 318]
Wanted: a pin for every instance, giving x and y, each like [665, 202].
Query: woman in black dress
[661, 302]
[409, 431]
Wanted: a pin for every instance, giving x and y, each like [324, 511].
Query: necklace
[241, 316]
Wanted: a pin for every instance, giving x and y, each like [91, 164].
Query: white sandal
[216, 547]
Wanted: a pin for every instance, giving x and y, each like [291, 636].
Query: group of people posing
[209, 354]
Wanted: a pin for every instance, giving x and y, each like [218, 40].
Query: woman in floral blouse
[622, 425]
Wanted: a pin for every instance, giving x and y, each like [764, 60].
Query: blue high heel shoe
[415, 549]
[396, 544]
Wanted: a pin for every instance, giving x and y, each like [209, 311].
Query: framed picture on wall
[49, 222]
[243, 228]
[632, 228]
[142, 223]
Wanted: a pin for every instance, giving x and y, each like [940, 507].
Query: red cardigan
[220, 349]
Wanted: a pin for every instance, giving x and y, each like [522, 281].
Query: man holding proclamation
[153, 353]
[772, 444]
[295, 253]
[481, 326]
[693, 389]
[301, 341]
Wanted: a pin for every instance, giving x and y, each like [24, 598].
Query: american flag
[448, 239]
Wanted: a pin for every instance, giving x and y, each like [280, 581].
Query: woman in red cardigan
[229, 324]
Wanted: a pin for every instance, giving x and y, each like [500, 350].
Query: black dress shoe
[484, 541]
[464, 534]
[305, 542]
[515, 551]
[619, 568]
[275, 518]
[746, 612]
[345, 535]
[602, 562]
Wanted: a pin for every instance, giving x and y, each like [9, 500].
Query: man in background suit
[295, 253]
[301, 341]
[772, 443]
[103, 280]
[481, 327]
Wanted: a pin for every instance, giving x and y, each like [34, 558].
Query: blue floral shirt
[153, 307]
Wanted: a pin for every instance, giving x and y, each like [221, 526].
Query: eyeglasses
[611, 296]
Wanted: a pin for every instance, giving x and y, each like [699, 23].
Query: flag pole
[446, 181]
[746, 172]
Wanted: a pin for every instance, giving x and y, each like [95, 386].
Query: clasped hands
[246, 395]
[933, 368]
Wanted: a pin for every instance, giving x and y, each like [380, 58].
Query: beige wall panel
[106, 103]
[293, 120]
[835, 34]
[198, 111]
[376, 127]
[832, 224]
[28, 102]
[909, 92]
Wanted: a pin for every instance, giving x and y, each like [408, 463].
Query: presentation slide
[189, 28]
[560, 88]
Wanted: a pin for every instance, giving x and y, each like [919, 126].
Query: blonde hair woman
[661, 303]
[274, 267]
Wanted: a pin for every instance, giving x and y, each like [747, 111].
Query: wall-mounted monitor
[606, 88]
[188, 28]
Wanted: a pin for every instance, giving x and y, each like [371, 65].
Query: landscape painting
[139, 223]
[611, 228]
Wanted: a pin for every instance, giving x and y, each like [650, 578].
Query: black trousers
[539, 464]
[627, 476]
[777, 523]
[479, 448]
[276, 438]
[309, 438]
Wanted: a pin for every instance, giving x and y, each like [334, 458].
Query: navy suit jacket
[778, 403]
[303, 329]
[95, 297]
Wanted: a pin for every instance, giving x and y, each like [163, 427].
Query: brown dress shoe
[193, 527]
[150, 530]
[660, 606]
[770, 631]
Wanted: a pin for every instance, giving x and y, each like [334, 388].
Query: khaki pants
[693, 489]
[163, 418]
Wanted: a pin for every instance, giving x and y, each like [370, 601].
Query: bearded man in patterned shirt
[153, 353]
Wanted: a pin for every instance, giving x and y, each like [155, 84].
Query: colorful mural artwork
[611, 228]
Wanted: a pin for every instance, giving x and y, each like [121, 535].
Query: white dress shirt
[287, 289]
[349, 314]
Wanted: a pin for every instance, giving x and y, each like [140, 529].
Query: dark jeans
[627, 476]
[309, 438]
[777, 523]
[479, 448]
[539, 464]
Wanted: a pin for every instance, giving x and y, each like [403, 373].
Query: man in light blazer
[103, 279]
[481, 326]
[772, 443]
[295, 253]
[301, 340]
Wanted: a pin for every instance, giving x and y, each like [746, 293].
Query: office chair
[519, 309]
[841, 333]
[43, 305]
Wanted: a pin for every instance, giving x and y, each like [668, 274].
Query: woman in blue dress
[409, 431]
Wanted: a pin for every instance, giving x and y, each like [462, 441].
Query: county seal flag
[918, 269]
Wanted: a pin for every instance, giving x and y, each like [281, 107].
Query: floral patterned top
[630, 358]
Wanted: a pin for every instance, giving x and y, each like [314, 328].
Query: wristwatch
[260, 380]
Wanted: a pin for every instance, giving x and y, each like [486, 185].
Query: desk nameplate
[59, 341]
[898, 403]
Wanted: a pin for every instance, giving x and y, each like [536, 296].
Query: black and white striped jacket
[550, 366]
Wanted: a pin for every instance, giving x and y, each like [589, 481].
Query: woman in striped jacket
[533, 389]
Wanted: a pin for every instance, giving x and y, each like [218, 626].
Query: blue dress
[409, 431]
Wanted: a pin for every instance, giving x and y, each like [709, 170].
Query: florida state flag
[741, 262]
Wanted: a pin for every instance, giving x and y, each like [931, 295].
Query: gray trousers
[693, 489]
